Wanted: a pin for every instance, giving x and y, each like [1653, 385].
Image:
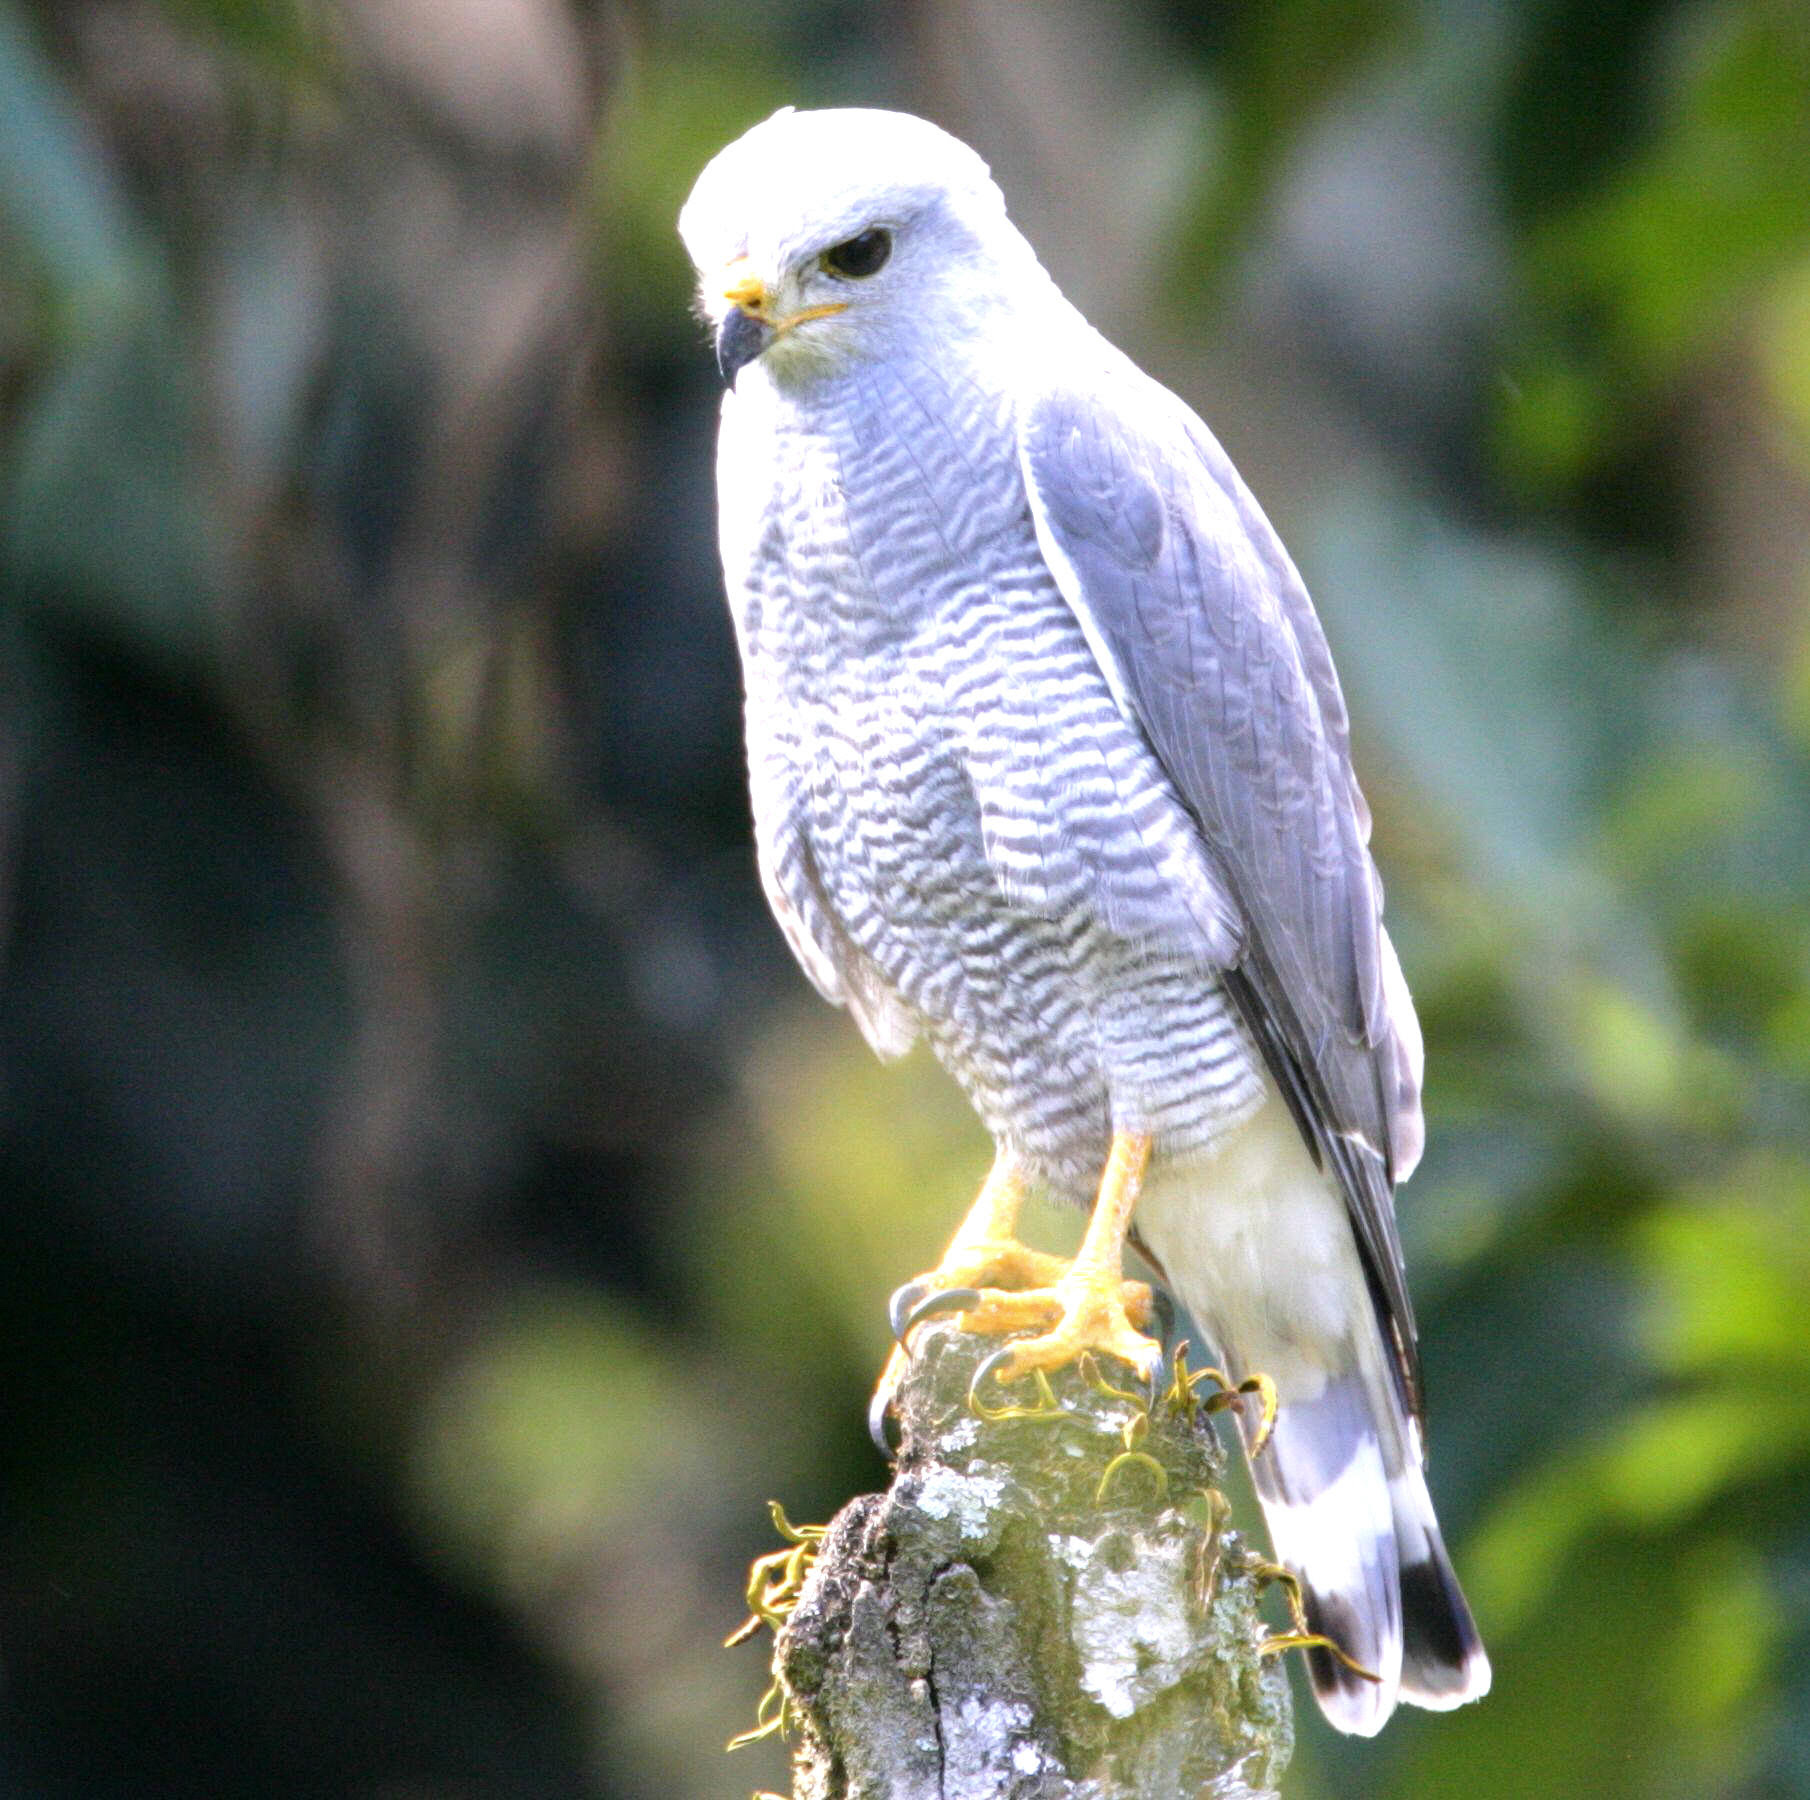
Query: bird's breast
[890, 499]
[993, 837]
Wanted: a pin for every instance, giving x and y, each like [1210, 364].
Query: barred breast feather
[961, 831]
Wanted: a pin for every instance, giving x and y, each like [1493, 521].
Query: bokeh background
[437, 1216]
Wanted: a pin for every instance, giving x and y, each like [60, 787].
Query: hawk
[1050, 767]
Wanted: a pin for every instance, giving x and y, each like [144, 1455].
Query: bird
[1050, 767]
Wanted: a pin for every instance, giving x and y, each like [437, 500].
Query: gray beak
[739, 339]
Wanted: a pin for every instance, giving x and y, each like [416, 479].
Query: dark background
[436, 1214]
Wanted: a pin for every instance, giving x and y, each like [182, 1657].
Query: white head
[823, 237]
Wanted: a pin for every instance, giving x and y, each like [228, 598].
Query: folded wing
[1205, 632]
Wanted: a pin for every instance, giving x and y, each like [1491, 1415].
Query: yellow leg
[985, 1257]
[1090, 1306]
[983, 1252]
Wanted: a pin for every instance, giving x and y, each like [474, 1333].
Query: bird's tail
[1256, 1244]
[1348, 1512]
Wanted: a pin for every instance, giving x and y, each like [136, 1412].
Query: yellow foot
[969, 1277]
[1083, 1306]
[1086, 1309]
[966, 1270]
[970, 1267]
[980, 1282]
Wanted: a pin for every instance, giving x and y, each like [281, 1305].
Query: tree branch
[1031, 1613]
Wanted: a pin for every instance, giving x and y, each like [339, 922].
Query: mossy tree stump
[1031, 1613]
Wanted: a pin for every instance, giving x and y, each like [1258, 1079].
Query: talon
[1162, 1320]
[982, 1251]
[1156, 1378]
[942, 1300]
[989, 1368]
[1085, 1305]
[885, 1398]
[903, 1304]
[879, 1410]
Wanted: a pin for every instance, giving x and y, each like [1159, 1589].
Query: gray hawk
[1050, 767]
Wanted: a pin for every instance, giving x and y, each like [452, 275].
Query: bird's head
[823, 237]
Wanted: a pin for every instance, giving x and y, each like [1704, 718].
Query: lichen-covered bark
[988, 1628]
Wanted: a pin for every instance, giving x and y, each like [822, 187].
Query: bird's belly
[1060, 1026]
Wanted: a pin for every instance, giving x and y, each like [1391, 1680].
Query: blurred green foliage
[1649, 266]
[438, 1217]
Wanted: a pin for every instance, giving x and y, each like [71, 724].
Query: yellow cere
[744, 288]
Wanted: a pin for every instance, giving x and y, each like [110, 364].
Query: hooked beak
[749, 325]
[740, 338]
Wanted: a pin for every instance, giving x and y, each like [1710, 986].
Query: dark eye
[858, 257]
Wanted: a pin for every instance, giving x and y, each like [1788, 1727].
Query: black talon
[987, 1369]
[900, 1307]
[916, 1301]
[944, 1300]
[878, 1409]
[1163, 1322]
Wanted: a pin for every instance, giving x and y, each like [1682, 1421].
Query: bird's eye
[858, 257]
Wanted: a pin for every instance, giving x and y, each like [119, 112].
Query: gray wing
[1205, 631]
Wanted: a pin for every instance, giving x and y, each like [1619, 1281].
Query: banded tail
[1348, 1511]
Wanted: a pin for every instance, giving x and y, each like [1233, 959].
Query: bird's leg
[983, 1253]
[1090, 1305]
[982, 1264]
